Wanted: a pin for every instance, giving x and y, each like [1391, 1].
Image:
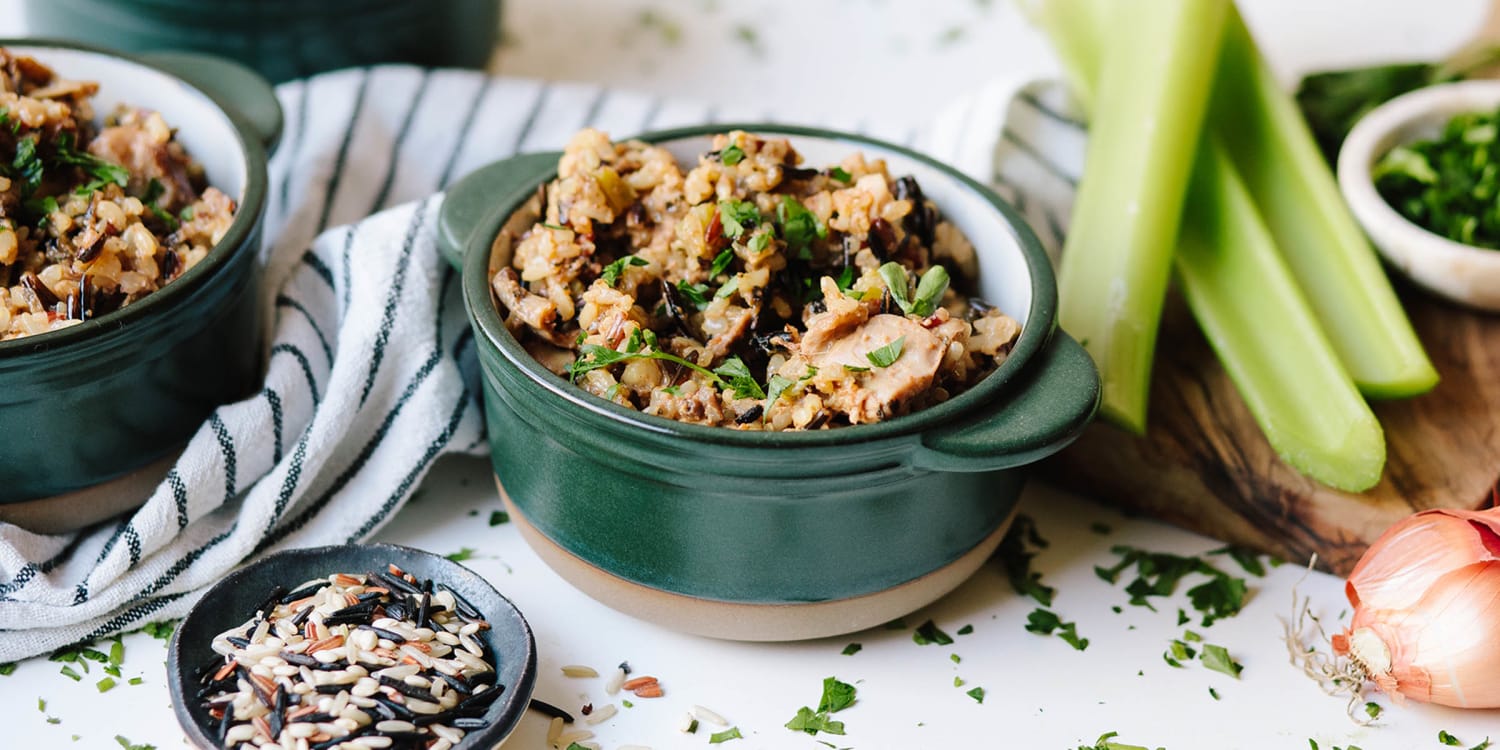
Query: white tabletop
[897, 61]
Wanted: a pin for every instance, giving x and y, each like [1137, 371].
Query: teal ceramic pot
[283, 39]
[769, 536]
[87, 407]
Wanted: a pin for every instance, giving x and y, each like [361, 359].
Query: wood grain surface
[1205, 465]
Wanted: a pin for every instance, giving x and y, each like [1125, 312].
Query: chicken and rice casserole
[93, 216]
[749, 291]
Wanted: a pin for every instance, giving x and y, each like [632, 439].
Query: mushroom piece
[536, 311]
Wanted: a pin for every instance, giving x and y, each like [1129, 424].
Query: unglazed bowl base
[741, 621]
[72, 511]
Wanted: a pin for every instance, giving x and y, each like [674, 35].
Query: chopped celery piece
[1266, 336]
[1075, 28]
[1158, 64]
[1279, 161]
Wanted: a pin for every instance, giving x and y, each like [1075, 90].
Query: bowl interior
[1005, 280]
[202, 127]
[232, 601]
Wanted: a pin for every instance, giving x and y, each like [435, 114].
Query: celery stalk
[1074, 26]
[1276, 155]
[1266, 335]
[1254, 316]
[1158, 64]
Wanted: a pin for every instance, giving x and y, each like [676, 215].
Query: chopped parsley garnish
[72, 675]
[42, 207]
[1448, 184]
[135, 680]
[837, 696]
[1217, 658]
[799, 227]
[721, 263]
[1247, 559]
[1373, 710]
[1158, 574]
[161, 631]
[1106, 742]
[845, 280]
[776, 386]
[731, 155]
[101, 171]
[732, 733]
[758, 242]
[154, 191]
[461, 555]
[977, 694]
[595, 356]
[737, 216]
[1448, 739]
[695, 293]
[558, 227]
[928, 632]
[1016, 559]
[498, 517]
[955, 658]
[106, 684]
[730, 287]
[840, 174]
[737, 376]
[958, 682]
[1213, 693]
[124, 743]
[8, 668]
[611, 273]
[887, 355]
[929, 292]
[855, 368]
[673, 390]
[1045, 622]
[26, 166]
[852, 649]
[965, 630]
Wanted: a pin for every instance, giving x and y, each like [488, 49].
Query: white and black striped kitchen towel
[363, 389]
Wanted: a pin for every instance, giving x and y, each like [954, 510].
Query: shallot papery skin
[1426, 595]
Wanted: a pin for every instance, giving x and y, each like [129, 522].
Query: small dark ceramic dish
[233, 600]
[87, 408]
[284, 39]
[771, 536]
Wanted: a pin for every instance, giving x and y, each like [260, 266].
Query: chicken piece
[535, 311]
[882, 391]
[143, 144]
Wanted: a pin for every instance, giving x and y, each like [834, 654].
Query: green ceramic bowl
[766, 536]
[89, 406]
[283, 39]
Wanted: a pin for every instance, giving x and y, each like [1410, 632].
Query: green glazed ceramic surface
[97, 400]
[283, 40]
[773, 518]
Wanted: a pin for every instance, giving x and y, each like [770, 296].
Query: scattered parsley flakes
[498, 517]
[735, 374]
[627, 704]
[1448, 739]
[105, 685]
[461, 555]
[731, 155]
[928, 632]
[1158, 574]
[977, 694]
[611, 273]
[955, 658]
[837, 696]
[1016, 559]
[810, 722]
[1106, 742]
[1247, 559]
[758, 242]
[1045, 622]
[965, 630]
[1373, 710]
[730, 287]
[738, 216]
[128, 746]
[852, 649]
[135, 680]
[72, 675]
[161, 631]
[8, 668]
[695, 293]
[887, 355]
[929, 292]
[855, 368]
[799, 226]
[732, 733]
[721, 262]
[958, 681]
[1217, 658]
[776, 386]
[841, 174]
[1213, 693]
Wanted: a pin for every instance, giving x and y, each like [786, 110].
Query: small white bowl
[1462, 273]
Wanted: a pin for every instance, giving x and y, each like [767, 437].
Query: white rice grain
[702, 714]
[601, 714]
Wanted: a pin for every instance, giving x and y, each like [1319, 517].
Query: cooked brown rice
[749, 291]
[92, 218]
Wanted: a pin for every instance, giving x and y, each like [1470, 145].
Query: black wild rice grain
[547, 709]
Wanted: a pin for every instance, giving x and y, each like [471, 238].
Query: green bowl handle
[233, 86]
[472, 198]
[1054, 399]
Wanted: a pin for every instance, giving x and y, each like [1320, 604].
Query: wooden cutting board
[1205, 465]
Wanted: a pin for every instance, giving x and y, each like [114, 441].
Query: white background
[896, 62]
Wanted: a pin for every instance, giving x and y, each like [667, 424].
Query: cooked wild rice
[352, 661]
[92, 218]
[749, 292]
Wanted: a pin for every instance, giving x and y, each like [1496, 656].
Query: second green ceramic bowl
[99, 401]
[759, 535]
